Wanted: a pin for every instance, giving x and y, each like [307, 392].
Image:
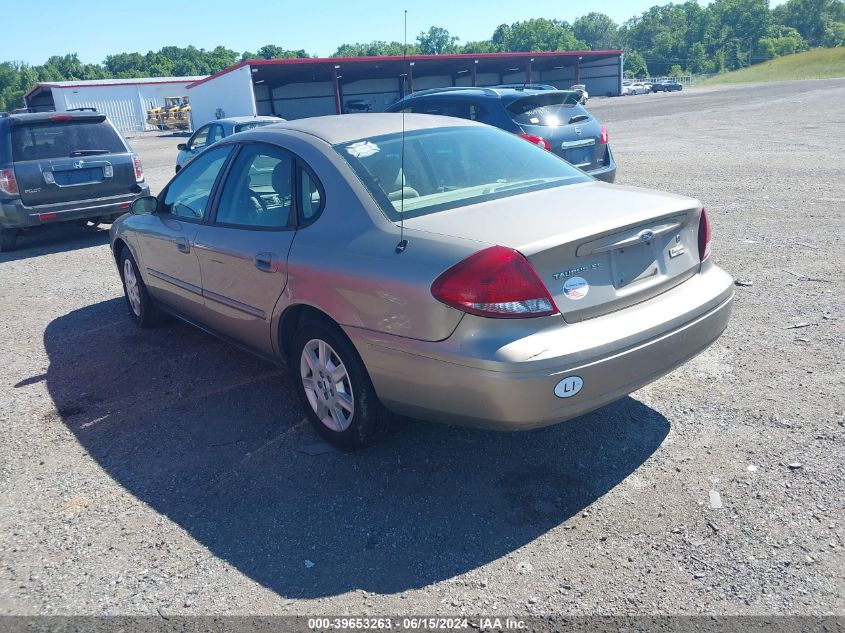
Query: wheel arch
[294, 316]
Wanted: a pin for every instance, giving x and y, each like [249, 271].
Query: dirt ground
[146, 472]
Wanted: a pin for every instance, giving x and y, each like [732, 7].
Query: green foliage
[271, 51]
[437, 41]
[373, 49]
[597, 30]
[536, 35]
[813, 19]
[635, 65]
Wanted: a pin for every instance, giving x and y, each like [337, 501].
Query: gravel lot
[164, 471]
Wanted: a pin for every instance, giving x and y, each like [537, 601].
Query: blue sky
[319, 27]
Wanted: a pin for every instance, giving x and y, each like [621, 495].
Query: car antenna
[403, 243]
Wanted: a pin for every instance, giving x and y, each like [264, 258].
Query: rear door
[243, 253]
[571, 132]
[63, 159]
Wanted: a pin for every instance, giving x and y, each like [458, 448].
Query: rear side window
[553, 108]
[64, 139]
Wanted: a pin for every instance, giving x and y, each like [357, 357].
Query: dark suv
[553, 119]
[63, 166]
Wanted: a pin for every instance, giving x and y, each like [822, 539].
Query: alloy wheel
[327, 385]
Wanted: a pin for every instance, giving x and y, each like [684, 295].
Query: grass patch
[819, 63]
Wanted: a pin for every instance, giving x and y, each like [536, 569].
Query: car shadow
[58, 238]
[214, 440]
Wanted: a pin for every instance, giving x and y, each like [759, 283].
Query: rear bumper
[488, 375]
[15, 214]
[608, 172]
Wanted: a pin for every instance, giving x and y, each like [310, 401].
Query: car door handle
[264, 262]
[183, 245]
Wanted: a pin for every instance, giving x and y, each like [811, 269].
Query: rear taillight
[139, 170]
[496, 282]
[61, 117]
[8, 182]
[704, 236]
[537, 140]
[604, 137]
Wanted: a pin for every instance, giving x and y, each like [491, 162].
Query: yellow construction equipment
[175, 114]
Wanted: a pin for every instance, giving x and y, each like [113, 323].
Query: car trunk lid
[597, 248]
[569, 130]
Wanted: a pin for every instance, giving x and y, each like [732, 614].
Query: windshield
[451, 167]
[243, 127]
[64, 139]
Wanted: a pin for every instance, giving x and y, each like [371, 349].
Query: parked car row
[646, 87]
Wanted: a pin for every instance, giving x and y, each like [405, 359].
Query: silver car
[210, 133]
[450, 271]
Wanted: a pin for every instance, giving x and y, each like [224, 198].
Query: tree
[271, 51]
[698, 62]
[811, 18]
[635, 65]
[437, 41]
[374, 49]
[597, 30]
[781, 40]
[538, 34]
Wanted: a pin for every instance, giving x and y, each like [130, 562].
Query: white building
[124, 101]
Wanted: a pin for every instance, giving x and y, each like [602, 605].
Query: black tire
[8, 240]
[370, 420]
[147, 314]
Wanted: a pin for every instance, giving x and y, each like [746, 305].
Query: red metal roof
[321, 61]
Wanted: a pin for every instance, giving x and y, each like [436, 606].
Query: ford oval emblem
[569, 386]
[647, 235]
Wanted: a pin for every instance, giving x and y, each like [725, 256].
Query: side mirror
[182, 146]
[145, 205]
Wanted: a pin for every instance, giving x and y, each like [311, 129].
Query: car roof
[505, 95]
[246, 119]
[32, 117]
[341, 128]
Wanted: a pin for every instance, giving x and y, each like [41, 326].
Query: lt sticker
[576, 288]
[569, 386]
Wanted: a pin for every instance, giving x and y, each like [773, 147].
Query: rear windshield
[64, 139]
[553, 108]
[243, 127]
[449, 167]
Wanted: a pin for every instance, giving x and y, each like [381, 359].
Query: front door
[243, 251]
[171, 265]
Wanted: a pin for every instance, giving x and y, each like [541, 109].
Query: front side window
[258, 191]
[448, 167]
[215, 134]
[200, 139]
[189, 192]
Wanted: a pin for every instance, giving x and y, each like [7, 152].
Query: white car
[212, 132]
[633, 88]
[582, 90]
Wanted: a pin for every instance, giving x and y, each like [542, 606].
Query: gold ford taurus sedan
[451, 271]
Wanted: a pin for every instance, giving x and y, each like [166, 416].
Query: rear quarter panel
[345, 263]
